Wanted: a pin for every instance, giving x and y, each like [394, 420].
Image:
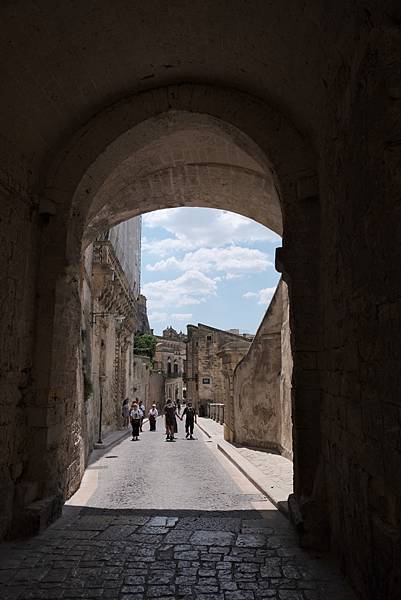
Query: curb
[209, 435]
[253, 474]
[105, 445]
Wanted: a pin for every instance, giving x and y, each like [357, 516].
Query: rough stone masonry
[285, 112]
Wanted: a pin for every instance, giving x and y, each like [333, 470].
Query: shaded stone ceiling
[64, 63]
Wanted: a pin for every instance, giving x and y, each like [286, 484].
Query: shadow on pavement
[138, 554]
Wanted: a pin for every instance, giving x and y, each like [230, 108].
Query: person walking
[142, 409]
[170, 412]
[135, 416]
[153, 414]
[125, 409]
[190, 418]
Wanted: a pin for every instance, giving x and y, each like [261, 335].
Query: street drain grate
[112, 456]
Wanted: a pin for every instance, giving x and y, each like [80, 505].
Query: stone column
[56, 457]
[298, 260]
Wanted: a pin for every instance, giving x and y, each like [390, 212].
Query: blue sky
[202, 265]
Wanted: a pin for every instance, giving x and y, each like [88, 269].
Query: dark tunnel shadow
[89, 550]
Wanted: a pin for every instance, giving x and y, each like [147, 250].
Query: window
[175, 368]
[206, 380]
[208, 338]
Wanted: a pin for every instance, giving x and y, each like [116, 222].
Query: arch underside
[186, 160]
[184, 144]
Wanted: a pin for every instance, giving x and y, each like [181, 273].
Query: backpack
[190, 412]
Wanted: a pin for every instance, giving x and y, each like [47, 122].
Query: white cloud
[235, 260]
[264, 295]
[193, 287]
[174, 319]
[193, 228]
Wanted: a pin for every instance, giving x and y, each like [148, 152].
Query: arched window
[169, 366]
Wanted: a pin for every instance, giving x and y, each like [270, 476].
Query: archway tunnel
[297, 130]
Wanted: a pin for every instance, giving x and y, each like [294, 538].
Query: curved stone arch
[191, 185]
[280, 157]
[80, 170]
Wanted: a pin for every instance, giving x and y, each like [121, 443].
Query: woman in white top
[153, 414]
[135, 416]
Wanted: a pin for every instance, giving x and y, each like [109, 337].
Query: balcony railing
[215, 411]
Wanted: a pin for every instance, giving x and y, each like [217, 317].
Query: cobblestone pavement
[166, 520]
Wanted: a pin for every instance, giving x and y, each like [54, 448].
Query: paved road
[164, 520]
[155, 474]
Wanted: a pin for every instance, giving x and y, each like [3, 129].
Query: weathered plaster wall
[285, 439]
[206, 379]
[230, 355]
[262, 390]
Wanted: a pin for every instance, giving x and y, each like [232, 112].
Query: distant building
[170, 361]
[205, 376]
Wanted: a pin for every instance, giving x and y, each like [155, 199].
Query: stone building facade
[170, 361]
[260, 413]
[206, 382]
[112, 312]
[141, 380]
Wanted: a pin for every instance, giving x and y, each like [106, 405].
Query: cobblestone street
[166, 520]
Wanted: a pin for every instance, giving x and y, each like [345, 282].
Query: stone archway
[129, 160]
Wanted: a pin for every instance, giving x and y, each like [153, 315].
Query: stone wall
[205, 376]
[361, 290]
[286, 432]
[230, 355]
[156, 390]
[316, 150]
[262, 383]
[139, 384]
[18, 256]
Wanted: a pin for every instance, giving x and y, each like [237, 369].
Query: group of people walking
[171, 414]
[135, 414]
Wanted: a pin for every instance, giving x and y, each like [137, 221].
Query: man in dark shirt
[190, 418]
